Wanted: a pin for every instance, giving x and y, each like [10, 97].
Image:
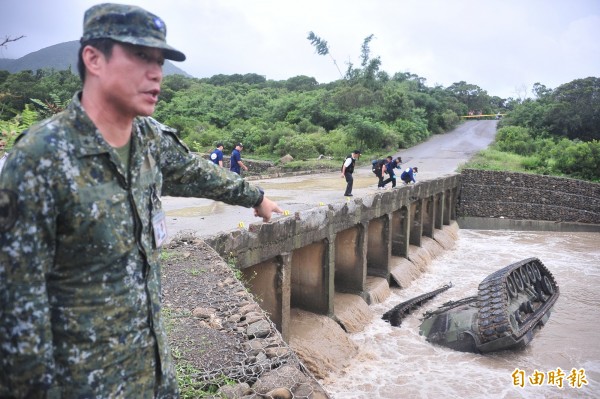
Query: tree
[472, 95]
[575, 112]
[322, 48]
[370, 67]
[301, 83]
[540, 91]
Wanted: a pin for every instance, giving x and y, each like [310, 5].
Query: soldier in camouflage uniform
[81, 224]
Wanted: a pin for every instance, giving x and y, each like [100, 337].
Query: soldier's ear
[93, 59]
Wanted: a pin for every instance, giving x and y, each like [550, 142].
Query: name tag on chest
[159, 225]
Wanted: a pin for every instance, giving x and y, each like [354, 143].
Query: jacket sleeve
[26, 253]
[188, 175]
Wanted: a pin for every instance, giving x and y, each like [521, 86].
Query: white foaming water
[396, 362]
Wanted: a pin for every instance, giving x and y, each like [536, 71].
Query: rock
[279, 393]
[273, 380]
[234, 391]
[259, 329]
[285, 159]
[203, 313]
[251, 318]
[253, 307]
[253, 347]
[277, 352]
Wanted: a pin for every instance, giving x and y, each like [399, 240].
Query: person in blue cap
[81, 224]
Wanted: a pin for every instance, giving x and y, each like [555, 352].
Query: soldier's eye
[149, 58]
[143, 56]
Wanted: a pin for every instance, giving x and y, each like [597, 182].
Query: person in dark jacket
[379, 170]
[409, 175]
[390, 168]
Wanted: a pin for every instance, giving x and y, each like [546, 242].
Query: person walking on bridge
[390, 168]
[348, 170]
[82, 224]
[379, 170]
[217, 155]
[236, 164]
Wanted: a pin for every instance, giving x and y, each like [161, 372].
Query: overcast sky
[503, 46]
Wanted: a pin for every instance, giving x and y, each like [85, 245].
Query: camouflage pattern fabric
[128, 24]
[79, 265]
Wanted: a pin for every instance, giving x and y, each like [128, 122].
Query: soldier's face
[132, 79]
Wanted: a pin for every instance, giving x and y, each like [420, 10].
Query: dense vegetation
[296, 116]
[556, 133]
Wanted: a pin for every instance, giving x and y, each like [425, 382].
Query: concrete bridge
[302, 260]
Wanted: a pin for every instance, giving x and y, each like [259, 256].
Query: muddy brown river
[396, 362]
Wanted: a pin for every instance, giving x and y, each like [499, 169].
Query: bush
[202, 136]
[515, 139]
[335, 143]
[578, 159]
[11, 129]
[449, 120]
[299, 146]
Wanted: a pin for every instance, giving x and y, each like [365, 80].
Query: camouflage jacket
[79, 265]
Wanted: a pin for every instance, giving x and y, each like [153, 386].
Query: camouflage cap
[128, 24]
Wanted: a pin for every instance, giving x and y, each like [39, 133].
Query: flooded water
[396, 362]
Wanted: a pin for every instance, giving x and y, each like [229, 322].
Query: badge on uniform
[159, 225]
[8, 209]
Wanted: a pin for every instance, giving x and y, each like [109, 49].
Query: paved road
[438, 156]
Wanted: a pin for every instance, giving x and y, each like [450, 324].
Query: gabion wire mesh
[222, 341]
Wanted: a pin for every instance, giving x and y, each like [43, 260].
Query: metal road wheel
[510, 286]
[518, 317]
[536, 272]
[526, 307]
[547, 286]
[518, 280]
[524, 275]
[530, 273]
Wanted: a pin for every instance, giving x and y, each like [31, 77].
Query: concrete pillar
[416, 223]
[349, 261]
[378, 246]
[269, 282]
[439, 210]
[400, 231]
[447, 206]
[428, 216]
[310, 278]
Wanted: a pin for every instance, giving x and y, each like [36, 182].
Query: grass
[187, 375]
[196, 271]
[190, 387]
[313, 164]
[491, 159]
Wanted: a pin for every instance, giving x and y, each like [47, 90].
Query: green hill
[60, 57]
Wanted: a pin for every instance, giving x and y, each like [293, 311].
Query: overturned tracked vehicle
[512, 303]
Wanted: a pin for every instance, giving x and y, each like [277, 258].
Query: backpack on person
[376, 165]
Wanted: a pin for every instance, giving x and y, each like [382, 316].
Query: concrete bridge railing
[301, 260]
